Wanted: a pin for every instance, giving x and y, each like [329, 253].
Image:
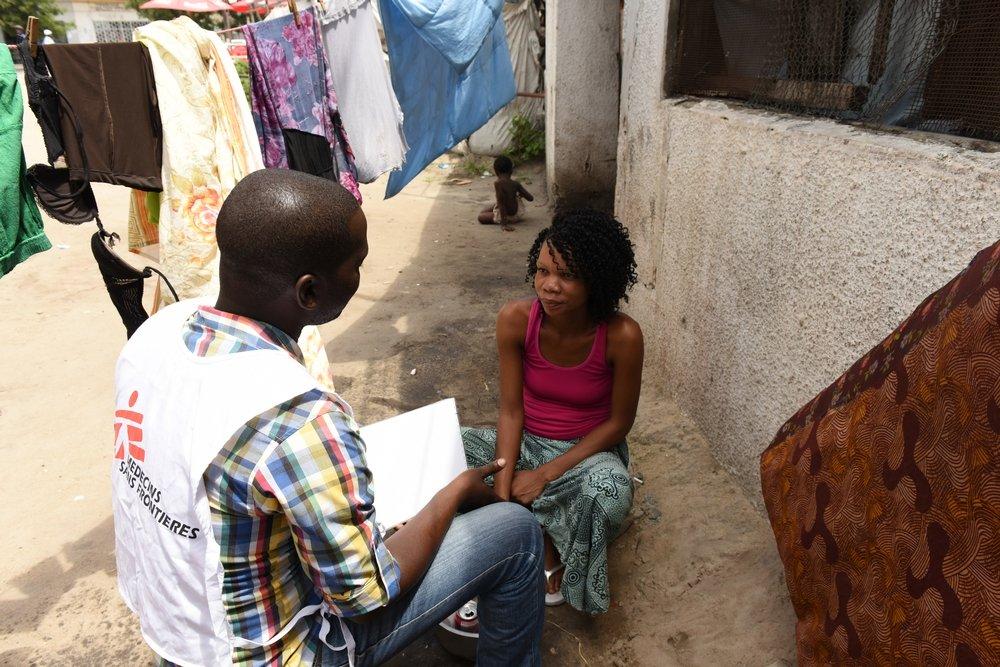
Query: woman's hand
[527, 486]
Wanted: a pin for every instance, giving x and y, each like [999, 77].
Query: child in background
[509, 192]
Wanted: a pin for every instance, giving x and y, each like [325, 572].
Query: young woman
[570, 373]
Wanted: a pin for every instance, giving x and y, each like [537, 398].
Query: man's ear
[306, 292]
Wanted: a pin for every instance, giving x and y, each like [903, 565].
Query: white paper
[412, 457]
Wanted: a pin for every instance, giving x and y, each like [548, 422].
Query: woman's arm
[625, 353]
[512, 322]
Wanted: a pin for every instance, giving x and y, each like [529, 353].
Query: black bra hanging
[63, 198]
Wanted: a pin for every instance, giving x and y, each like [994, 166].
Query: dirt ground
[695, 578]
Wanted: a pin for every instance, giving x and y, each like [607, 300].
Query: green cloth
[21, 234]
[582, 511]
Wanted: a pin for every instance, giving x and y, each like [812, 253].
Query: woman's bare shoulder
[625, 332]
[513, 318]
[516, 311]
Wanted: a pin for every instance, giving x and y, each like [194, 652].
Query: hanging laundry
[360, 75]
[43, 100]
[309, 153]
[21, 234]
[64, 196]
[143, 220]
[209, 145]
[291, 89]
[883, 491]
[110, 88]
[451, 71]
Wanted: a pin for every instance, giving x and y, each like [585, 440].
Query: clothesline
[365, 107]
[13, 48]
[226, 31]
[350, 58]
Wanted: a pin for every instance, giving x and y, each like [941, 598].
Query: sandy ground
[695, 578]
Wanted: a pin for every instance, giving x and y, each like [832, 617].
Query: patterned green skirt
[582, 511]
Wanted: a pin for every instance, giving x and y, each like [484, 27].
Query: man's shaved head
[277, 227]
[278, 224]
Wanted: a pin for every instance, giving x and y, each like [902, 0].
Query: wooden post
[880, 42]
[32, 33]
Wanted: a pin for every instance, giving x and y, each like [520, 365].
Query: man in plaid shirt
[289, 492]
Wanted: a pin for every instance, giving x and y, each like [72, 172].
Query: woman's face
[557, 288]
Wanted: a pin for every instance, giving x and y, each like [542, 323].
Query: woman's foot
[553, 575]
[553, 582]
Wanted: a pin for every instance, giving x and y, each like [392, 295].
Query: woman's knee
[611, 490]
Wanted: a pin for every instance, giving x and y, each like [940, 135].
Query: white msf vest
[174, 412]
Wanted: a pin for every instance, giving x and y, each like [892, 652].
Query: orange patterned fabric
[884, 492]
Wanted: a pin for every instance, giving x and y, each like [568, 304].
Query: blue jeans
[496, 553]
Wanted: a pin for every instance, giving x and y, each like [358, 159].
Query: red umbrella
[244, 6]
[187, 5]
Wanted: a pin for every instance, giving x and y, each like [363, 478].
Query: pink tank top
[564, 403]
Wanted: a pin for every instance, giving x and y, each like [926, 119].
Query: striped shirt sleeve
[319, 476]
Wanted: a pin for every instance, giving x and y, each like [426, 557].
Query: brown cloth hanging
[112, 90]
[884, 492]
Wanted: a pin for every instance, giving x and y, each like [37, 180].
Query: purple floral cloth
[291, 88]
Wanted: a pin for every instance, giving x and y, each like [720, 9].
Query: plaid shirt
[291, 509]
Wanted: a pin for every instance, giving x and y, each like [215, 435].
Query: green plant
[474, 165]
[15, 13]
[243, 69]
[527, 139]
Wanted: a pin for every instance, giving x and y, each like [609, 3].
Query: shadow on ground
[695, 579]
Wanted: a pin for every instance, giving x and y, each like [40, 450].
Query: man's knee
[518, 517]
[518, 523]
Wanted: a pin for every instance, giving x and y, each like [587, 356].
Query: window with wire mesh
[930, 65]
[115, 31]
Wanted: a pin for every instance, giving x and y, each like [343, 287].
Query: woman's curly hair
[596, 248]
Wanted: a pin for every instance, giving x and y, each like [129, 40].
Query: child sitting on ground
[509, 207]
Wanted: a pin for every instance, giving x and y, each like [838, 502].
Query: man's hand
[414, 545]
[527, 486]
[473, 491]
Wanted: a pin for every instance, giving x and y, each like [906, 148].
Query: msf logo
[128, 431]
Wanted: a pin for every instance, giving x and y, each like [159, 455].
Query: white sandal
[553, 599]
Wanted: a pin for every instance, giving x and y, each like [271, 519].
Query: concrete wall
[775, 250]
[581, 100]
[84, 15]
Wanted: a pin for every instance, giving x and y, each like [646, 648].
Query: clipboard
[411, 457]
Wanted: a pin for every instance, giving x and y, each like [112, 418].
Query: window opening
[930, 65]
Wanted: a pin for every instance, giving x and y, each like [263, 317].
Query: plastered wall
[776, 250]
